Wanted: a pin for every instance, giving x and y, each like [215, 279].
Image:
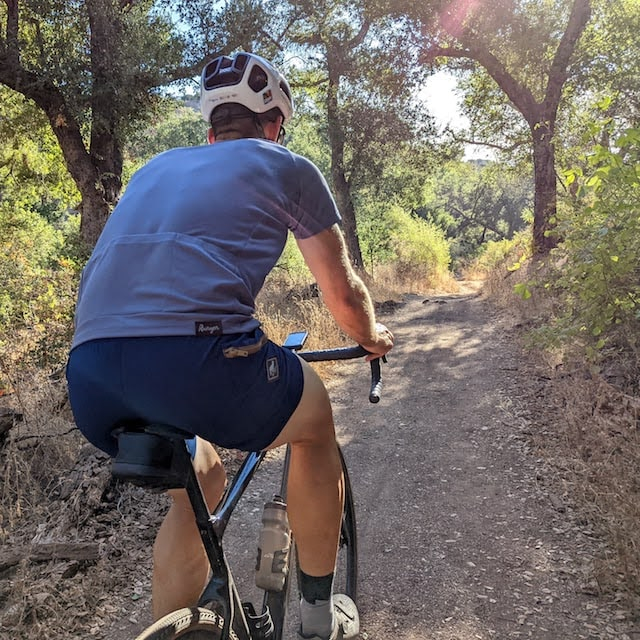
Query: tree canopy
[98, 70]
[527, 48]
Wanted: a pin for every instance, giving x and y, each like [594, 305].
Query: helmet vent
[285, 89]
[258, 79]
[241, 61]
[224, 71]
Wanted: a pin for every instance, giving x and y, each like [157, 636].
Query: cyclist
[165, 329]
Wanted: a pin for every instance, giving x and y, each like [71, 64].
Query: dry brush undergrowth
[588, 429]
[75, 545]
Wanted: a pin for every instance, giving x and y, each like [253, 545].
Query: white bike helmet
[245, 79]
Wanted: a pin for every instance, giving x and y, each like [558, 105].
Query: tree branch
[292, 20]
[491, 145]
[435, 51]
[558, 74]
[273, 40]
[360, 36]
[12, 50]
[520, 96]
[472, 220]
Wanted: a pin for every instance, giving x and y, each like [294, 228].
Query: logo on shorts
[273, 369]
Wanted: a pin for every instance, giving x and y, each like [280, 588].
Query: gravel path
[461, 537]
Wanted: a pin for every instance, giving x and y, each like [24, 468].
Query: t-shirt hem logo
[209, 328]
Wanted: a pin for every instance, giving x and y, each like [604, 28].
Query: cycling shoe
[346, 618]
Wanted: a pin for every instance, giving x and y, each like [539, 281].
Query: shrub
[36, 302]
[421, 251]
[505, 255]
[598, 274]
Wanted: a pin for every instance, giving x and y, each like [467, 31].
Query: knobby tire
[194, 623]
[348, 548]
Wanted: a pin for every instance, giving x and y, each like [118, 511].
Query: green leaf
[522, 290]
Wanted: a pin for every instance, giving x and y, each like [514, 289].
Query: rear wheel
[346, 575]
[346, 578]
[195, 623]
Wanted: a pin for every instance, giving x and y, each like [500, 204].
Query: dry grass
[42, 445]
[401, 276]
[594, 438]
[291, 303]
[598, 451]
[499, 288]
[55, 488]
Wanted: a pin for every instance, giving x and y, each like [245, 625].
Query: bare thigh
[312, 421]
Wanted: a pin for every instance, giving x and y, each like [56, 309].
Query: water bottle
[275, 542]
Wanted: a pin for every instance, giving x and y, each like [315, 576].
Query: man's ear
[211, 138]
[272, 129]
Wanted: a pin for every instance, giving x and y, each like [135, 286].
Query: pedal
[261, 624]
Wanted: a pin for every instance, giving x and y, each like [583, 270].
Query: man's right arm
[343, 292]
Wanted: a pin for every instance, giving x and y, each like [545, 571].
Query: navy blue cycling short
[185, 381]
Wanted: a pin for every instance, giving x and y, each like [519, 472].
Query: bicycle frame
[221, 588]
[156, 456]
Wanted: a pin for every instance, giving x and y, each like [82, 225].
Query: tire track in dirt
[458, 539]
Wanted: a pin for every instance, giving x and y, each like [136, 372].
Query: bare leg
[315, 487]
[180, 567]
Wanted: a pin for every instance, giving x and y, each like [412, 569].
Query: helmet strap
[281, 135]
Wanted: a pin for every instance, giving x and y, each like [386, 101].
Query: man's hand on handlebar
[382, 343]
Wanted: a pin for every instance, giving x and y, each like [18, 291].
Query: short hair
[232, 112]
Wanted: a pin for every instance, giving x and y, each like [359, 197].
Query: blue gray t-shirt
[189, 245]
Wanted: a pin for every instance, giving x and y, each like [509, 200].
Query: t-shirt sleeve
[316, 210]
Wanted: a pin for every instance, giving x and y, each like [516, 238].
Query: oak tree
[528, 49]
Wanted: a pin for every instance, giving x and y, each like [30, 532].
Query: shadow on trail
[455, 541]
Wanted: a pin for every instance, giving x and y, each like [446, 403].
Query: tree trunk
[105, 149]
[82, 166]
[94, 209]
[341, 186]
[544, 208]
[97, 172]
[94, 212]
[345, 204]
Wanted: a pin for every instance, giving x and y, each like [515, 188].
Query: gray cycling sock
[317, 619]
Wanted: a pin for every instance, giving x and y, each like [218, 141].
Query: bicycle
[155, 456]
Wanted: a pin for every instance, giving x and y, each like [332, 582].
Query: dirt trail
[460, 534]
[460, 537]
